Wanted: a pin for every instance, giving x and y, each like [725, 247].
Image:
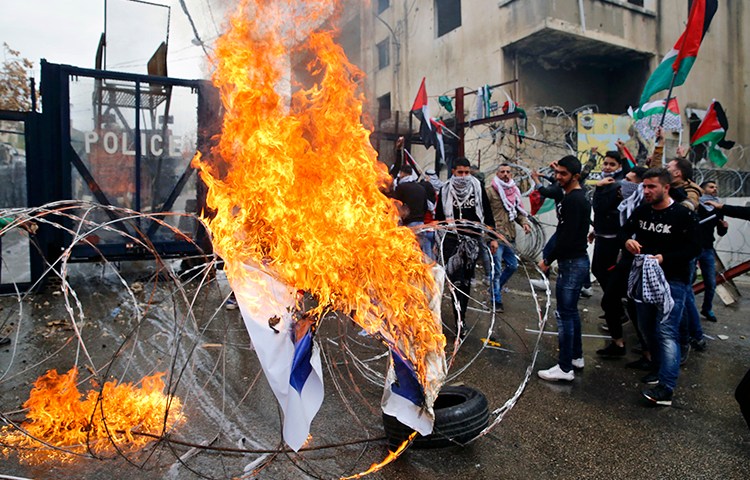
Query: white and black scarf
[458, 192]
[630, 202]
[647, 284]
[409, 178]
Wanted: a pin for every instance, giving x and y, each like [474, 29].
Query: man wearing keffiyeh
[505, 203]
[463, 202]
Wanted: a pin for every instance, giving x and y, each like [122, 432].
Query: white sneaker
[578, 363]
[555, 374]
[587, 292]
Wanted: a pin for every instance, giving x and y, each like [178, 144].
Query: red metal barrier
[729, 274]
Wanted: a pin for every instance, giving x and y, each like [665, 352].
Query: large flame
[296, 185]
[61, 422]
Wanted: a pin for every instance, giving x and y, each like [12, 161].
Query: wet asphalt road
[598, 426]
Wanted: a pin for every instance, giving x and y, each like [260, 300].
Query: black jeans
[461, 278]
[605, 258]
[615, 291]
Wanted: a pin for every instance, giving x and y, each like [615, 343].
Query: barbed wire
[173, 319]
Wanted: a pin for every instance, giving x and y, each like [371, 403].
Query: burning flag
[674, 68]
[712, 131]
[297, 194]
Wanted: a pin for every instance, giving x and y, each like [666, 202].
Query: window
[382, 5]
[447, 16]
[383, 53]
[637, 2]
[384, 107]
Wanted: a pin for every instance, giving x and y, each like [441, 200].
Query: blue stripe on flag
[406, 384]
[301, 366]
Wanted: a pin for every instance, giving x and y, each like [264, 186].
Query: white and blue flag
[292, 366]
[403, 396]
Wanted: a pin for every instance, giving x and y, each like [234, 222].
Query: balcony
[563, 26]
[571, 52]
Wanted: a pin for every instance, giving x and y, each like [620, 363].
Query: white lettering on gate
[154, 152]
[174, 146]
[110, 142]
[125, 150]
[119, 142]
[90, 137]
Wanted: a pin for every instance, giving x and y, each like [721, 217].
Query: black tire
[461, 413]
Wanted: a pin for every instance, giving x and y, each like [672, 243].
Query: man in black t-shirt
[570, 252]
[667, 232]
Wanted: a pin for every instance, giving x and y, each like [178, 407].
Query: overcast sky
[67, 32]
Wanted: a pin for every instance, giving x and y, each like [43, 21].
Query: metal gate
[21, 262]
[125, 140]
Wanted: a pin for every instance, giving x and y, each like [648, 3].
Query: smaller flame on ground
[62, 423]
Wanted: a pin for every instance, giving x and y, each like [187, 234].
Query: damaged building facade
[561, 54]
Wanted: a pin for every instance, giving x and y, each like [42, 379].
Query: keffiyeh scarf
[647, 284]
[510, 195]
[409, 178]
[458, 192]
[630, 202]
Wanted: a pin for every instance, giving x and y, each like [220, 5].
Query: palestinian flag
[648, 117]
[540, 204]
[421, 110]
[437, 127]
[712, 132]
[680, 59]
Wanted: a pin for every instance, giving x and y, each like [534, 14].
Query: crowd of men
[650, 228]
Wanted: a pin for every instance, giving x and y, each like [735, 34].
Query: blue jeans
[690, 327]
[663, 334]
[425, 239]
[707, 262]
[550, 245]
[571, 274]
[500, 276]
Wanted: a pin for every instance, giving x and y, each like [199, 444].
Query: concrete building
[559, 54]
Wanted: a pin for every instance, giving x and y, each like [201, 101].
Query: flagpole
[669, 96]
[413, 163]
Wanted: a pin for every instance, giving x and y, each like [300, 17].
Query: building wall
[559, 56]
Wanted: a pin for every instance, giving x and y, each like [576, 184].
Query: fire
[61, 422]
[375, 467]
[296, 185]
